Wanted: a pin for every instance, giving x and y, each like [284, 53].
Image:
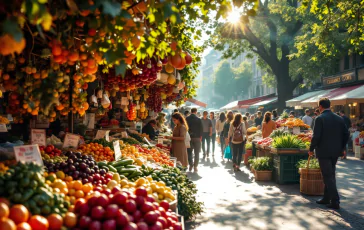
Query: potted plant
[311, 180]
[250, 163]
[263, 167]
[248, 152]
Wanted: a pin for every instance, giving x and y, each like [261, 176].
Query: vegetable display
[278, 133]
[314, 164]
[261, 163]
[288, 142]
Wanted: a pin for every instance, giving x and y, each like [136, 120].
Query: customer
[219, 129]
[213, 136]
[195, 131]
[206, 135]
[307, 119]
[172, 124]
[245, 120]
[268, 125]
[251, 121]
[149, 129]
[317, 113]
[161, 119]
[275, 115]
[258, 120]
[291, 114]
[237, 133]
[247, 114]
[347, 122]
[330, 136]
[187, 113]
[225, 131]
[179, 149]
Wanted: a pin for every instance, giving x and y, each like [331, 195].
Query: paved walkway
[235, 201]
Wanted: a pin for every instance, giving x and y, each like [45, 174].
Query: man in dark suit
[195, 130]
[329, 139]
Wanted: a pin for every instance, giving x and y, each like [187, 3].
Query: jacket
[220, 126]
[330, 135]
[194, 126]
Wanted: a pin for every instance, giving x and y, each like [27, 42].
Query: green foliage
[314, 164]
[287, 142]
[262, 163]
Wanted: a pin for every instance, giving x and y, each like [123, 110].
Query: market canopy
[354, 96]
[264, 102]
[253, 101]
[231, 105]
[197, 102]
[297, 100]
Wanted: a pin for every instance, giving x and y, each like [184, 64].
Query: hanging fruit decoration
[131, 113]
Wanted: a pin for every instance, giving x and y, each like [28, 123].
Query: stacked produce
[288, 142]
[252, 129]
[295, 122]
[278, 133]
[97, 151]
[265, 142]
[49, 151]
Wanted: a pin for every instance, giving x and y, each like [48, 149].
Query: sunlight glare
[234, 16]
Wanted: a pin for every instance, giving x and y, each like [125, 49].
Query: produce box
[285, 151]
[284, 167]
[358, 150]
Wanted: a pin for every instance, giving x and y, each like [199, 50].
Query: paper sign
[160, 140]
[71, 140]
[89, 120]
[146, 140]
[124, 134]
[117, 150]
[3, 128]
[10, 117]
[38, 136]
[124, 101]
[102, 133]
[296, 130]
[28, 153]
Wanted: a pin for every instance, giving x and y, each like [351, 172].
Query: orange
[55, 221]
[70, 220]
[23, 226]
[19, 213]
[7, 224]
[60, 175]
[77, 185]
[86, 188]
[4, 210]
[68, 178]
[4, 200]
[71, 192]
[79, 194]
[38, 222]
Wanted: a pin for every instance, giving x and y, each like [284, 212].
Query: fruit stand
[94, 70]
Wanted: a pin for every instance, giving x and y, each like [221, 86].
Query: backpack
[238, 134]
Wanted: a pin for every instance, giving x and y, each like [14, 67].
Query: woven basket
[311, 181]
[263, 175]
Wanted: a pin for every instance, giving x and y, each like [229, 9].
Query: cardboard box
[358, 150]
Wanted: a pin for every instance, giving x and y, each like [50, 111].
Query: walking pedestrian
[258, 120]
[219, 129]
[178, 139]
[307, 119]
[330, 136]
[225, 131]
[195, 131]
[237, 133]
[206, 135]
[268, 125]
[213, 135]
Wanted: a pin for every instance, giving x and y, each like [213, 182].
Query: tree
[270, 33]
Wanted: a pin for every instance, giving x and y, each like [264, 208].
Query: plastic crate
[285, 170]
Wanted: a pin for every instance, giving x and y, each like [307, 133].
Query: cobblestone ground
[236, 201]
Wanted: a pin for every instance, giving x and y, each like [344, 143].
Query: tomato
[19, 213]
[38, 222]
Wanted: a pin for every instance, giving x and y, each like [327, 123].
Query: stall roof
[231, 105]
[197, 102]
[252, 101]
[265, 102]
[297, 100]
[355, 95]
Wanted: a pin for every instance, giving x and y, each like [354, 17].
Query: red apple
[111, 211]
[97, 213]
[95, 225]
[109, 225]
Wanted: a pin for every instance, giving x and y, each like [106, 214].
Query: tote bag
[227, 154]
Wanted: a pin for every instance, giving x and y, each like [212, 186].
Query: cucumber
[131, 167]
[112, 169]
[102, 163]
[122, 171]
[123, 163]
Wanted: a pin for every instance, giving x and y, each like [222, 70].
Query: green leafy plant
[278, 133]
[262, 164]
[249, 146]
[288, 142]
[314, 164]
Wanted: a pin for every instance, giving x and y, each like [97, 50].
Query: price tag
[296, 130]
[71, 140]
[3, 128]
[28, 153]
[160, 140]
[146, 140]
[124, 134]
[102, 134]
[38, 136]
[89, 120]
[117, 150]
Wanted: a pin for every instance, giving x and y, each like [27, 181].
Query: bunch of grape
[154, 101]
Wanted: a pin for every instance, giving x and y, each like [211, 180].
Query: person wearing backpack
[237, 133]
[225, 131]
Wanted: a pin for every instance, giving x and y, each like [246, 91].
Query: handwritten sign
[124, 134]
[160, 140]
[89, 120]
[296, 130]
[3, 128]
[117, 150]
[71, 140]
[38, 136]
[102, 134]
[28, 153]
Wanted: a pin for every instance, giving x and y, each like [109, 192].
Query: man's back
[194, 126]
[330, 135]
[307, 120]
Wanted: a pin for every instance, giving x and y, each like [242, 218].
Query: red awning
[196, 102]
[252, 101]
[340, 91]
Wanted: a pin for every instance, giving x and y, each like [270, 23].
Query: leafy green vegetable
[278, 133]
[288, 142]
[262, 163]
[314, 164]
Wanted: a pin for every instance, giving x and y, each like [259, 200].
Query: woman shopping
[225, 131]
[219, 128]
[268, 125]
[237, 133]
[179, 149]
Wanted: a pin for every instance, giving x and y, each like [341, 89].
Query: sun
[234, 16]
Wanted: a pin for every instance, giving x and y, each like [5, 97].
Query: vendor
[149, 129]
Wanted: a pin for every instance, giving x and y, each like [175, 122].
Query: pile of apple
[50, 150]
[117, 209]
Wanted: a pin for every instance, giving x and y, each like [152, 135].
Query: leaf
[111, 8]
[120, 69]
[12, 27]
[72, 5]
[111, 56]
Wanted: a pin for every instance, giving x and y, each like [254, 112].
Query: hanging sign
[101, 133]
[38, 136]
[117, 150]
[28, 153]
[296, 130]
[71, 140]
[3, 128]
